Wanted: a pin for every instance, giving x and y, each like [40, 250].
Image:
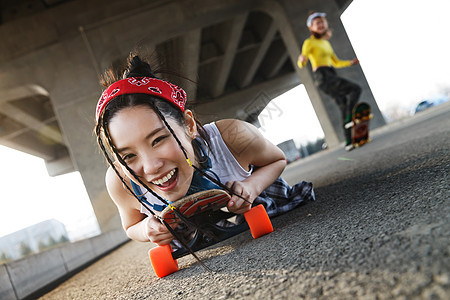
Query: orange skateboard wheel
[162, 260]
[258, 221]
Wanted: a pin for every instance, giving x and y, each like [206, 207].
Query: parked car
[423, 106]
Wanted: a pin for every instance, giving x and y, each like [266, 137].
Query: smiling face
[319, 25]
[149, 149]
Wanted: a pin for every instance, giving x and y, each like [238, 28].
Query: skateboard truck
[204, 209]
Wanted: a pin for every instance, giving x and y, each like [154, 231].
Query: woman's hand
[236, 204]
[157, 232]
[355, 61]
[253, 153]
[301, 60]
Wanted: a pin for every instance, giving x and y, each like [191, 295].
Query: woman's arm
[338, 63]
[249, 147]
[138, 226]
[303, 57]
[302, 61]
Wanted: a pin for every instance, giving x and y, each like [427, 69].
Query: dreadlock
[138, 68]
[113, 166]
[164, 109]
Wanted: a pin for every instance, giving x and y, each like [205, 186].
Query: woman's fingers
[162, 239]
[158, 232]
[240, 201]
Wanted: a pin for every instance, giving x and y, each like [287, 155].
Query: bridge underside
[234, 57]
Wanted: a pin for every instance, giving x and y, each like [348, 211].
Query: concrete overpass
[240, 53]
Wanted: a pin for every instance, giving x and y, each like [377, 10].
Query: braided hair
[164, 109]
[139, 68]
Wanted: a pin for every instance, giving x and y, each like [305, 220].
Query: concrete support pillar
[182, 53]
[77, 119]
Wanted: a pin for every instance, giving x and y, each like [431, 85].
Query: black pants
[344, 93]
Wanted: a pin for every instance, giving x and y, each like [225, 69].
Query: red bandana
[142, 85]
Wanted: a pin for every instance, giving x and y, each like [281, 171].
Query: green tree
[4, 257]
[312, 147]
[63, 239]
[25, 249]
[42, 246]
[51, 242]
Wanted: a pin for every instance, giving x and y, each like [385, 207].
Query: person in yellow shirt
[317, 49]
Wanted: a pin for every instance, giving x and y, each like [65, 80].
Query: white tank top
[224, 164]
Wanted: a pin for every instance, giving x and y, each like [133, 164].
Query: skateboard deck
[359, 125]
[189, 206]
[204, 210]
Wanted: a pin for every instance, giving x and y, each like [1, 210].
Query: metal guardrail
[27, 277]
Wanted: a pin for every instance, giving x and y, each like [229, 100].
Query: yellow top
[321, 54]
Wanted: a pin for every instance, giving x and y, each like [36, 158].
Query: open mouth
[168, 181]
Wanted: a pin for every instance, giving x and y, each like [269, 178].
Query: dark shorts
[344, 92]
[337, 87]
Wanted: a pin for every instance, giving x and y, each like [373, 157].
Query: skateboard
[205, 210]
[359, 124]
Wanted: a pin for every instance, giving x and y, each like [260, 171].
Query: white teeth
[165, 178]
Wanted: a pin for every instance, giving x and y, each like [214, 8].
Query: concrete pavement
[379, 230]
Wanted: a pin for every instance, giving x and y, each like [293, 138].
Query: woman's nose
[152, 166]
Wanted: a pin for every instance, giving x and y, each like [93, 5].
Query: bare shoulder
[247, 144]
[238, 135]
[234, 131]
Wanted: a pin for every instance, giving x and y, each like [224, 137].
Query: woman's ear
[191, 125]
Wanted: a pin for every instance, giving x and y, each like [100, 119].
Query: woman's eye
[159, 139]
[127, 157]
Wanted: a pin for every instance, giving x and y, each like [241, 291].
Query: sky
[402, 46]
[29, 195]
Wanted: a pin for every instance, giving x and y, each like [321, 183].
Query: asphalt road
[379, 230]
